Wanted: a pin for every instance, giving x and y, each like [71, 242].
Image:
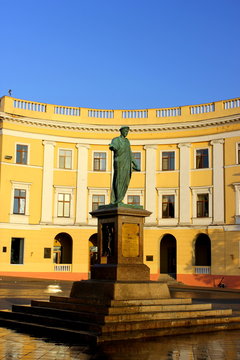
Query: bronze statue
[123, 165]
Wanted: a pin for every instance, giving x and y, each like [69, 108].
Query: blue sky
[128, 54]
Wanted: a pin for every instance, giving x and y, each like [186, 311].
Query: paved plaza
[210, 346]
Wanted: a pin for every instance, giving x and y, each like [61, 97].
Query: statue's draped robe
[122, 168]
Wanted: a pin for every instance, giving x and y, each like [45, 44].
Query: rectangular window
[168, 206]
[137, 159]
[202, 205]
[17, 246]
[133, 199]
[19, 204]
[63, 208]
[97, 200]
[202, 160]
[168, 160]
[22, 154]
[65, 159]
[99, 161]
[47, 253]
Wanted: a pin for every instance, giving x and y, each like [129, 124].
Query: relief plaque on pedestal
[130, 240]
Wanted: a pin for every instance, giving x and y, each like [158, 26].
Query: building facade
[56, 167]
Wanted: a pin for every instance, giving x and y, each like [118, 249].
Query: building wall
[47, 130]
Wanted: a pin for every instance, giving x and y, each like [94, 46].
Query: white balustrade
[168, 112]
[203, 270]
[63, 267]
[62, 110]
[33, 106]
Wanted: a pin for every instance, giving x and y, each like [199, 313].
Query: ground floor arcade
[194, 256]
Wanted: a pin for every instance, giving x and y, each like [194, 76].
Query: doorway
[62, 249]
[168, 255]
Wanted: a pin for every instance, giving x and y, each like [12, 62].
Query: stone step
[102, 318]
[53, 332]
[166, 315]
[119, 331]
[120, 309]
[168, 323]
[58, 320]
[171, 301]
[188, 328]
[52, 321]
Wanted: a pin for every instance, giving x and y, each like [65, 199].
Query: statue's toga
[123, 165]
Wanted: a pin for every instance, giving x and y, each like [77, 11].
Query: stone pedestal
[120, 244]
[120, 273]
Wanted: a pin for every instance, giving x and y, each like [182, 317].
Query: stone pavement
[210, 346]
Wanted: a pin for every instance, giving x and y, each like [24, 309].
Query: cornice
[60, 125]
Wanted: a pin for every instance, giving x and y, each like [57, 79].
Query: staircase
[92, 321]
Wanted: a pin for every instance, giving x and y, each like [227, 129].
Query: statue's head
[124, 130]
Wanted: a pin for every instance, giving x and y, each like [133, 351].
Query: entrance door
[168, 255]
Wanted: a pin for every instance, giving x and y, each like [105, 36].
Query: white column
[82, 178]
[150, 197]
[184, 180]
[47, 188]
[218, 181]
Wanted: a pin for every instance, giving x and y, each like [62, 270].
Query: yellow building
[56, 167]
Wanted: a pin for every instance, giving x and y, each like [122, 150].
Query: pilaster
[150, 199]
[82, 177]
[218, 181]
[184, 180]
[47, 188]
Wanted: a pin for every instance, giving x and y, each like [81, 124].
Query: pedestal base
[120, 272]
[104, 291]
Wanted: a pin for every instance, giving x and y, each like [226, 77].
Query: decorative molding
[150, 146]
[47, 142]
[187, 145]
[86, 146]
[220, 121]
[217, 141]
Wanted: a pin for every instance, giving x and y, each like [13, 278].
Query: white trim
[200, 169]
[14, 164]
[168, 150]
[20, 218]
[231, 166]
[198, 190]
[142, 142]
[58, 158]
[181, 125]
[167, 221]
[63, 190]
[68, 170]
[99, 151]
